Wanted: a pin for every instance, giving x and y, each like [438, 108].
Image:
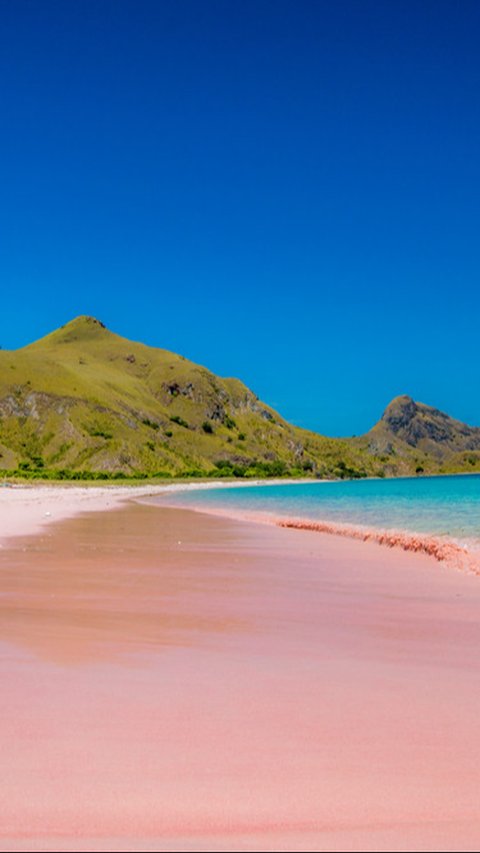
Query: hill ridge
[84, 401]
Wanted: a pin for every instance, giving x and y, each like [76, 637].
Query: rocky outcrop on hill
[423, 426]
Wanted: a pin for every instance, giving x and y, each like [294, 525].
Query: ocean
[445, 507]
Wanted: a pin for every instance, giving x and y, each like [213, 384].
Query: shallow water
[443, 506]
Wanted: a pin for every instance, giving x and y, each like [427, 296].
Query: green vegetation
[101, 432]
[255, 468]
[176, 419]
[229, 422]
[150, 423]
[344, 471]
[86, 404]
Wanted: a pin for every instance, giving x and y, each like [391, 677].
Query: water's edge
[442, 549]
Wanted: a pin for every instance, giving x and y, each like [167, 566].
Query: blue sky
[286, 192]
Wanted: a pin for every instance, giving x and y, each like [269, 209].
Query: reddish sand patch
[441, 548]
[175, 681]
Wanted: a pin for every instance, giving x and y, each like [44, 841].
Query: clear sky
[284, 191]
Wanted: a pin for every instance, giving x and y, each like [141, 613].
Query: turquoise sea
[443, 506]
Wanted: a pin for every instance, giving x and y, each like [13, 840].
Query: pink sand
[175, 681]
[443, 549]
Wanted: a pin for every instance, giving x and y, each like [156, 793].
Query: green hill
[84, 402]
[83, 399]
[419, 437]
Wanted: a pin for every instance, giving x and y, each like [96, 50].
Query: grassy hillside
[85, 400]
[86, 403]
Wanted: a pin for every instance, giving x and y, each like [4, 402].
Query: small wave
[442, 550]
[448, 551]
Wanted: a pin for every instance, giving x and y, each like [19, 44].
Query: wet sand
[176, 681]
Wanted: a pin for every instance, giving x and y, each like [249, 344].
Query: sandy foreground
[178, 681]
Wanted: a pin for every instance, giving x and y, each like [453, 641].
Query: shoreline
[442, 549]
[27, 510]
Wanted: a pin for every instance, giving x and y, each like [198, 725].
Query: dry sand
[26, 509]
[176, 681]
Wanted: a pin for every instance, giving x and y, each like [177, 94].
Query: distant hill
[418, 435]
[84, 402]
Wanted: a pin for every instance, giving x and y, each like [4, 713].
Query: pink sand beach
[178, 681]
